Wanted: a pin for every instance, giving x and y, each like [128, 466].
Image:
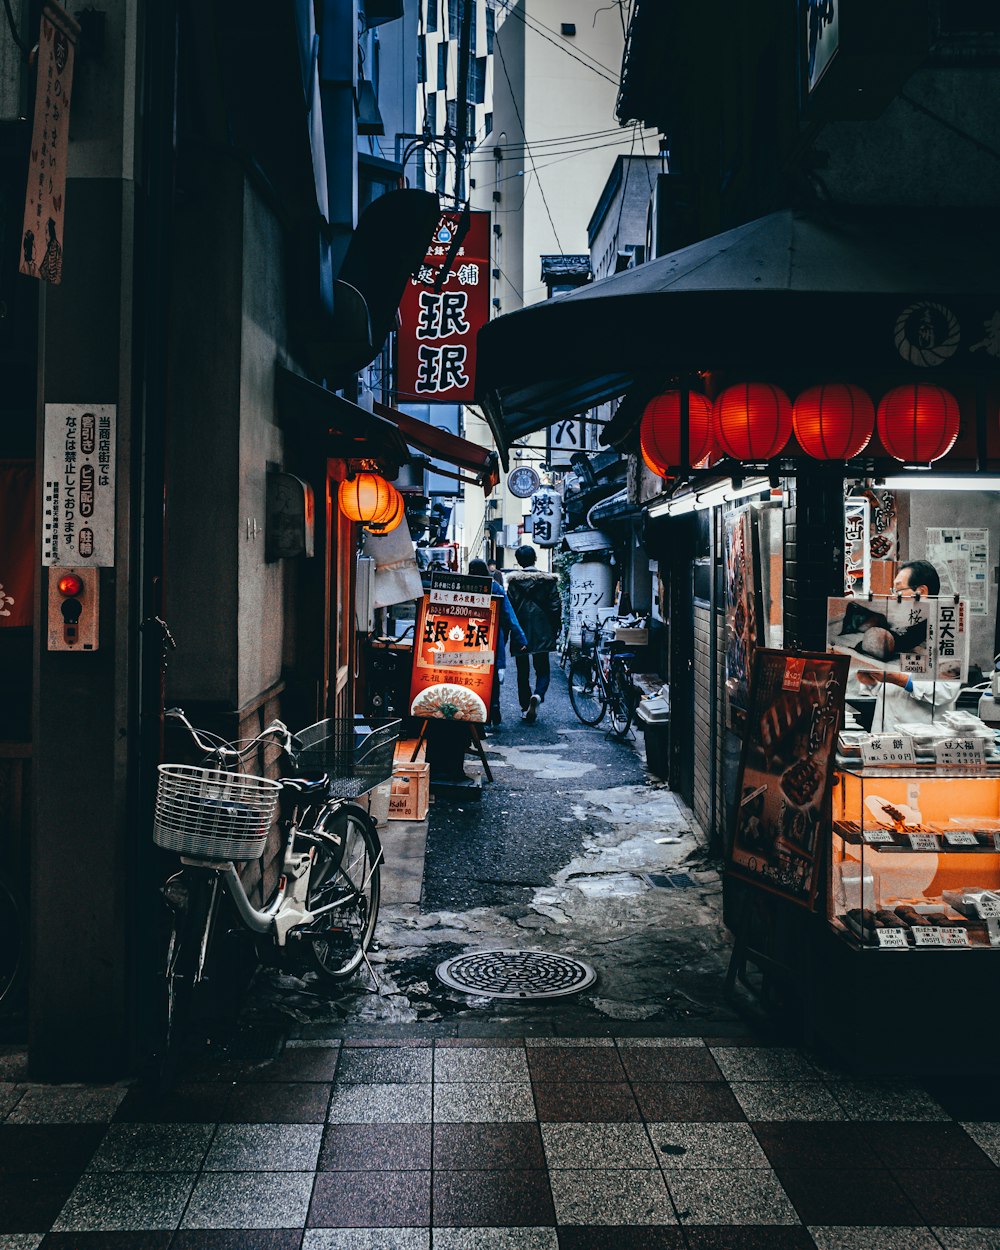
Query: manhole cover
[670, 880]
[516, 974]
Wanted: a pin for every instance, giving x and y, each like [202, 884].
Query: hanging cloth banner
[44, 205]
[17, 542]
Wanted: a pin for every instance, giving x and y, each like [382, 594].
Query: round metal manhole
[516, 974]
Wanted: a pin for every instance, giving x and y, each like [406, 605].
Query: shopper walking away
[534, 596]
[509, 628]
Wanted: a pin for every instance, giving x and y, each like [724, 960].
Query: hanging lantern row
[753, 421]
[371, 500]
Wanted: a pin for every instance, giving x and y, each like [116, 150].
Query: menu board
[743, 599]
[454, 649]
[796, 707]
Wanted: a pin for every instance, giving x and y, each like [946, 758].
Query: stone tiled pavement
[503, 1144]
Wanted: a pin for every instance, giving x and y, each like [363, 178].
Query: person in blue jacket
[509, 628]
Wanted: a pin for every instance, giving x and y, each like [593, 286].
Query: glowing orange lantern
[918, 423]
[365, 497]
[392, 520]
[833, 422]
[660, 431]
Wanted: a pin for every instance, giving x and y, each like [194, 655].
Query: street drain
[516, 974]
[670, 880]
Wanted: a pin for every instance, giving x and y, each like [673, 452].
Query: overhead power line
[517, 112]
[595, 66]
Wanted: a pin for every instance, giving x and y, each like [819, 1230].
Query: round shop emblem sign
[927, 334]
[523, 481]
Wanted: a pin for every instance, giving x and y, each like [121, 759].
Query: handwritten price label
[988, 908]
[961, 839]
[927, 935]
[891, 939]
[960, 752]
[923, 841]
[888, 749]
[877, 835]
[954, 937]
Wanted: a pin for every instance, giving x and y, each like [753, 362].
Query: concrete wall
[261, 602]
[624, 219]
[925, 148]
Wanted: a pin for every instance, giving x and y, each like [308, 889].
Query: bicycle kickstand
[376, 983]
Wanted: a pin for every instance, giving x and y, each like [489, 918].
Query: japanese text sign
[438, 328]
[888, 749]
[546, 518]
[78, 499]
[42, 231]
[454, 649]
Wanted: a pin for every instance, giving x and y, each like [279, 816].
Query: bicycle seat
[306, 787]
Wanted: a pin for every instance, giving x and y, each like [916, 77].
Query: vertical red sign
[437, 335]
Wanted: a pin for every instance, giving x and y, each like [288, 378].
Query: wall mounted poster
[796, 706]
[454, 649]
[925, 637]
[743, 597]
[962, 558]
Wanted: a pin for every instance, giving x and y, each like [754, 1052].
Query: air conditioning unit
[364, 595]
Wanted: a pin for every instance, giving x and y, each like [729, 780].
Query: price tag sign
[961, 839]
[996, 841]
[960, 752]
[927, 935]
[891, 939]
[877, 835]
[954, 937]
[923, 841]
[888, 749]
[988, 908]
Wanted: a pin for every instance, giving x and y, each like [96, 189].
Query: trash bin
[652, 716]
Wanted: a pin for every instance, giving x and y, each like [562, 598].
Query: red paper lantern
[834, 421]
[660, 431]
[753, 421]
[918, 423]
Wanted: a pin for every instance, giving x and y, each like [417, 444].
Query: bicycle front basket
[356, 755]
[210, 814]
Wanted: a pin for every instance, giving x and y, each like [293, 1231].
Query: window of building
[442, 82]
[452, 115]
[491, 27]
[432, 14]
[432, 111]
[488, 124]
[422, 58]
[453, 18]
[477, 80]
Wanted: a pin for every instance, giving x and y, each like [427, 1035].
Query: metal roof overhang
[443, 445]
[808, 292]
[346, 430]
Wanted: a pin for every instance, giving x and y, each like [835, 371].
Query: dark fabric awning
[346, 431]
[443, 445]
[813, 293]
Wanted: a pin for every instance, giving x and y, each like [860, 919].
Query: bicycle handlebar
[226, 753]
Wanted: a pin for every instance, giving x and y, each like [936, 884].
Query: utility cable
[595, 66]
[948, 125]
[517, 113]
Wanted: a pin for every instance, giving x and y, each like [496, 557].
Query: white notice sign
[78, 509]
[888, 749]
[891, 939]
[960, 752]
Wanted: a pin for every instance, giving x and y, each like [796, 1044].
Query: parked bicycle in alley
[600, 681]
[217, 817]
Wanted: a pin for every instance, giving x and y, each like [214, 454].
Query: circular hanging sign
[523, 481]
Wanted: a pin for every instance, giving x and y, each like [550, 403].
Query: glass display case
[915, 858]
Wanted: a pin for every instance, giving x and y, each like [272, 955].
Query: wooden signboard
[795, 713]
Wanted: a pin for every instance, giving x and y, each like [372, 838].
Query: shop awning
[345, 430]
[795, 291]
[443, 445]
[615, 508]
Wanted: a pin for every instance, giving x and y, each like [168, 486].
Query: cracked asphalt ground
[555, 857]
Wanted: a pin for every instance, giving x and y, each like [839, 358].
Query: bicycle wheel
[191, 898]
[621, 703]
[344, 887]
[585, 690]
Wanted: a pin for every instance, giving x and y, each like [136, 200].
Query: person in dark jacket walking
[509, 628]
[534, 596]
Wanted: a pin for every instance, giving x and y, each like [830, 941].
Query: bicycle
[215, 816]
[600, 681]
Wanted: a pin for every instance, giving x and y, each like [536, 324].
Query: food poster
[742, 600]
[455, 649]
[926, 638]
[795, 712]
[962, 559]
[871, 527]
[856, 556]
